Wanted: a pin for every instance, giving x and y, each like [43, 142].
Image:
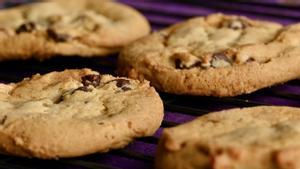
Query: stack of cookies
[78, 112]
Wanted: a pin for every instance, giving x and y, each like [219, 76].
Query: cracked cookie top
[106, 111]
[214, 41]
[216, 55]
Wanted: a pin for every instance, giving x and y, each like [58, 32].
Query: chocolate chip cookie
[258, 137]
[78, 27]
[217, 55]
[74, 113]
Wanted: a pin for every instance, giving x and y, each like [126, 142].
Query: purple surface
[147, 149]
[123, 162]
[169, 12]
[177, 117]
[161, 14]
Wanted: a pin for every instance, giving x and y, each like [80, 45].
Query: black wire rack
[178, 109]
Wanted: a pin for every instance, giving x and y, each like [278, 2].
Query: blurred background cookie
[81, 27]
[265, 137]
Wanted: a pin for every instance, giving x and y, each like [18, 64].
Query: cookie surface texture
[259, 137]
[217, 55]
[79, 27]
[75, 112]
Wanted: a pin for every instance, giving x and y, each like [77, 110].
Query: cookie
[216, 55]
[79, 27]
[259, 137]
[74, 113]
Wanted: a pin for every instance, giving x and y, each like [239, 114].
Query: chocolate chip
[197, 64]
[220, 60]
[58, 37]
[267, 61]
[185, 60]
[125, 88]
[26, 27]
[221, 56]
[237, 24]
[179, 64]
[2, 121]
[122, 82]
[250, 60]
[93, 80]
[59, 100]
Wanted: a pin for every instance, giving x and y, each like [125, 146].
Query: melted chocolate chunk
[57, 37]
[220, 60]
[122, 82]
[26, 27]
[221, 56]
[93, 80]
